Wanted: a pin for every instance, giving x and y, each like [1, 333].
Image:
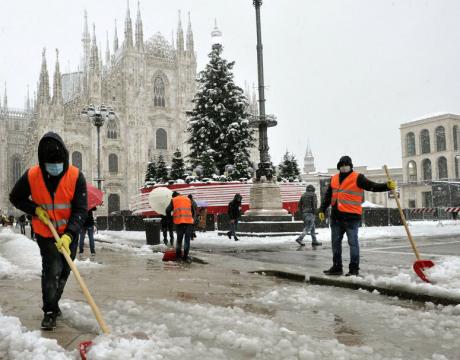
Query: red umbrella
[95, 196]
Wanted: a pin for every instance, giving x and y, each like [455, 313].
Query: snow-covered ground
[417, 228]
[288, 322]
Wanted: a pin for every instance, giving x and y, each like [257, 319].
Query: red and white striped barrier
[453, 209]
[423, 210]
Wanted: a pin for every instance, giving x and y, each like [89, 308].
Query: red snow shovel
[84, 345]
[419, 265]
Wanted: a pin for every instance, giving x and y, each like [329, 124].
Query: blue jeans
[233, 228]
[338, 229]
[183, 230]
[90, 231]
[309, 226]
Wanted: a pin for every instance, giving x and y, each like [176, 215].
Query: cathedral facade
[149, 84]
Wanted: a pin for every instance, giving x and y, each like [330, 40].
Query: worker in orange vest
[345, 194]
[183, 215]
[53, 191]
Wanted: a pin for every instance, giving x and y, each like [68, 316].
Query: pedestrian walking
[234, 214]
[346, 194]
[53, 191]
[182, 210]
[307, 207]
[88, 228]
[22, 223]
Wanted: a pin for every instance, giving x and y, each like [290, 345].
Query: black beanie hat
[344, 161]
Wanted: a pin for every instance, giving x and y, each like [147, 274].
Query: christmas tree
[151, 174]
[218, 124]
[162, 169]
[289, 169]
[177, 166]
[207, 162]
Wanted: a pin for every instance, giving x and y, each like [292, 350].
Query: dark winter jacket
[89, 222]
[308, 202]
[234, 208]
[364, 183]
[21, 192]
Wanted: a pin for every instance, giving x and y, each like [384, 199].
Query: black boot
[229, 234]
[316, 243]
[352, 272]
[49, 321]
[333, 271]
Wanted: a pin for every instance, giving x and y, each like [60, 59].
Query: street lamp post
[98, 117]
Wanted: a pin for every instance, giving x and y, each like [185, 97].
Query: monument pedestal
[266, 214]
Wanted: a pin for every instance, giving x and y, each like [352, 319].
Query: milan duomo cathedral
[148, 83]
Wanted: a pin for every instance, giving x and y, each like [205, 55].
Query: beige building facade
[430, 152]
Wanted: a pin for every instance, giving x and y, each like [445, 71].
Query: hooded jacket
[308, 202]
[234, 207]
[21, 192]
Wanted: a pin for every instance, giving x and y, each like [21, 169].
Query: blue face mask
[54, 169]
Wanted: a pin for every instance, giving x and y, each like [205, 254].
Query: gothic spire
[28, 104]
[43, 85]
[128, 43]
[94, 57]
[57, 85]
[308, 152]
[216, 34]
[190, 42]
[5, 101]
[107, 50]
[180, 36]
[139, 30]
[86, 41]
[115, 39]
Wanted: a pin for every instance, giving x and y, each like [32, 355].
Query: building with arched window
[149, 82]
[438, 159]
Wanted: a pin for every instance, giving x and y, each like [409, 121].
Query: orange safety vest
[59, 208]
[347, 195]
[182, 207]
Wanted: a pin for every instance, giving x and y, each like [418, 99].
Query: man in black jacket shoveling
[346, 194]
[53, 192]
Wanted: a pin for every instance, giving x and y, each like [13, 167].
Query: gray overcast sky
[342, 73]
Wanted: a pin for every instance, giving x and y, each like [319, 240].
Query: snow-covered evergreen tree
[207, 162]
[162, 169]
[289, 169]
[151, 174]
[219, 120]
[242, 168]
[177, 166]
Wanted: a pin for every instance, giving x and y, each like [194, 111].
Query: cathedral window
[16, 168]
[113, 203]
[455, 135]
[159, 92]
[161, 139]
[113, 163]
[112, 130]
[77, 160]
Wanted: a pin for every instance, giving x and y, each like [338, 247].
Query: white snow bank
[19, 256]
[445, 278]
[133, 239]
[16, 343]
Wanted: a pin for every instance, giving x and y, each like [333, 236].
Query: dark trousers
[90, 231]
[183, 230]
[55, 271]
[23, 228]
[338, 229]
[167, 227]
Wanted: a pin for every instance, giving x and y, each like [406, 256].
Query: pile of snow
[445, 278]
[16, 343]
[19, 256]
[130, 240]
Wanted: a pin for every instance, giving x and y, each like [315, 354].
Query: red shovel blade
[83, 346]
[169, 255]
[420, 265]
